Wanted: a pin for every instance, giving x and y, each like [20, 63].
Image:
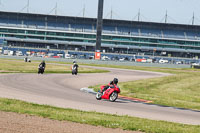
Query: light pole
[99, 25]
[99, 30]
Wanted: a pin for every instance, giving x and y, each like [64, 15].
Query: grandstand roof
[108, 22]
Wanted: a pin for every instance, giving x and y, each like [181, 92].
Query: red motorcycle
[111, 93]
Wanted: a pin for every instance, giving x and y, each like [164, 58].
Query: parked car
[122, 59]
[19, 53]
[195, 64]
[105, 58]
[178, 62]
[162, 61]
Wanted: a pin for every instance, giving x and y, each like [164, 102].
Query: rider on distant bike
[74, 68]
[41, 67]
[42, 64]
[111, 84]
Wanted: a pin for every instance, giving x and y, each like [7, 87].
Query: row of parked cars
[156, 60]
[143, 60]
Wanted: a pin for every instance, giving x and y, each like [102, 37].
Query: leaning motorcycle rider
[110, 85]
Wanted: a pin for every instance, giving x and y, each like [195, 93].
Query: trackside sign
[97, 55]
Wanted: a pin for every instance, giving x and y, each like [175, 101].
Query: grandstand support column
[99, 26]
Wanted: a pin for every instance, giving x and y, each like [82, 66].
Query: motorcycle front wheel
[98, 96]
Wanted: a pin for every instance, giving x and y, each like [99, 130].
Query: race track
[63, 90]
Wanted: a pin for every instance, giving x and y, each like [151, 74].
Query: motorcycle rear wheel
[113, 96]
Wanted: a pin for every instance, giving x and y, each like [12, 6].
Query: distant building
[119, 36]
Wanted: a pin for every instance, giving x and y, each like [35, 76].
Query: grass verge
[17, 66]
[181, 90]
[96, 119]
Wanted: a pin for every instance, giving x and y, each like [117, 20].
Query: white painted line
[88, 90]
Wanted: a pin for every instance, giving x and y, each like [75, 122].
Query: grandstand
[119, 36]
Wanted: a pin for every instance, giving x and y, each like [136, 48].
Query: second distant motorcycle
[41, 67]
[74, 68]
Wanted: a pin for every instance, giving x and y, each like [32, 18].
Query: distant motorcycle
[40, 69]
[74, 70]
[28, 60]
[110, 94]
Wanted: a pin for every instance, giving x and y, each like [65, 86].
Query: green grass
[153, 69]
[18, 66]
[94, 118]
[182, 89]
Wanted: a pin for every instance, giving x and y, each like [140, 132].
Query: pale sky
[179, 11]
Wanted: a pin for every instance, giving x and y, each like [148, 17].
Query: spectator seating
[107, 29]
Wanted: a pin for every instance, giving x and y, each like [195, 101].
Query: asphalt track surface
[63, 90]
